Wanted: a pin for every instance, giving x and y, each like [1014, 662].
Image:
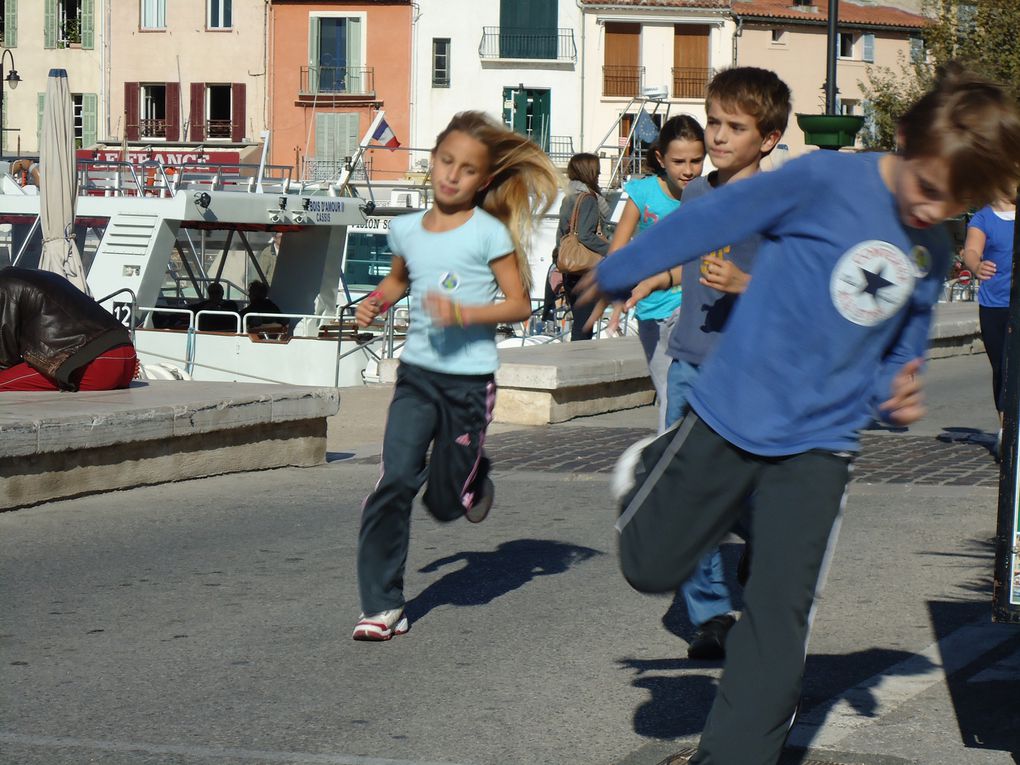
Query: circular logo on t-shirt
[871, 282]
[449, 281]
[922, 260]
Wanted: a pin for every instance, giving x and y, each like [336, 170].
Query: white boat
[155, 235]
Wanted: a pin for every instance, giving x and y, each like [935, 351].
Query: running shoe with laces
[381, 626]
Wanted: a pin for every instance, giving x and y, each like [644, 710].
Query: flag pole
[345, 174]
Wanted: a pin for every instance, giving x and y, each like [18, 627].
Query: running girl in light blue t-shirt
[677, 157]
[456, 258]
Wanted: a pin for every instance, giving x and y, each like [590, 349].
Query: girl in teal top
[676, 157]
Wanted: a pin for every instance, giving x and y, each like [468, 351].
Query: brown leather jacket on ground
[52, 325]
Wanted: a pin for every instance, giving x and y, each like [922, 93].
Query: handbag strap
[577, 210]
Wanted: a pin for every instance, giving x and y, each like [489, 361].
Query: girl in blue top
[676, 158]
[489, 184]
[988, 253]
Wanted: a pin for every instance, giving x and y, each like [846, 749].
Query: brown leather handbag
[572, 256]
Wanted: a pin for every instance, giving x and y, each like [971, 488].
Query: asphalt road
[209, 621]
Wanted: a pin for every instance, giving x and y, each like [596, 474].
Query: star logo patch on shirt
[871, 282]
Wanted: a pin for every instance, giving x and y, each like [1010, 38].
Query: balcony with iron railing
[152, 128]
[338, 80]
[691, 81]
[527, 44]
[219, 129]
[622, 81]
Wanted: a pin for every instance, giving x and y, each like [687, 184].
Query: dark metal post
[1006, 589]
[832, 38]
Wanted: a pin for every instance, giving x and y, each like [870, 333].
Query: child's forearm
[390, 290]
[509, 310]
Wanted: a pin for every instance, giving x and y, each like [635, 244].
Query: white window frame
[853, 45]
[222, 6]
[156, 9]
[779, 36]
[145, 99]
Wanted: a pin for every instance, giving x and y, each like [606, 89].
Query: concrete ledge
[956, 331]
[540, 384]
[58, 445]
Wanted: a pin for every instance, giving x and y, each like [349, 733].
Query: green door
[527, 29]
[526, 111]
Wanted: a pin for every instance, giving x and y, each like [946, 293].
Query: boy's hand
[986, 270]
[646, 287]
[367, 310]
[906, 405]
[587, 291]
[723, 275]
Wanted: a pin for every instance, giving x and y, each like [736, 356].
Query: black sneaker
[480, 509]
[710, 640]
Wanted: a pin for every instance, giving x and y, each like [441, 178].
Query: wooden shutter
[89, 119]
[238, 117]
[11, 24]
[313, 54]
[197, 117]
[623, 44]
[690, 60]
[132, 110]
[50, 24]
[869, 47]
[88, 24]
[173, 111]
[355, 80]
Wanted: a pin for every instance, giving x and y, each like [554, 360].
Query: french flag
[384, 135]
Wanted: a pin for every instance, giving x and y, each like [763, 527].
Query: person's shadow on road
[489, 574]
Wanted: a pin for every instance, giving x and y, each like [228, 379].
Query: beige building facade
[39, 35]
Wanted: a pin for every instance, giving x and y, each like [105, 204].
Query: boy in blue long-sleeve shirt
[829, 334]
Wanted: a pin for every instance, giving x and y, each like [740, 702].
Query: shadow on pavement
[983, 693]
[489, 574]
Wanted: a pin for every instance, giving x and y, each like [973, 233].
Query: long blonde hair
[524, 181]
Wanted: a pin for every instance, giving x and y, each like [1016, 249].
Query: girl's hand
[613, 327]
[723, 275]
[906, 405]
[986, 270]
[443, 311]
[367, 310]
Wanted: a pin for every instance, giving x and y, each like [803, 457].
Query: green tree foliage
[980, 33]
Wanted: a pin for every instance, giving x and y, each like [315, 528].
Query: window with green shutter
[89, 119]
[10, 20]
[527, 29]
[50, 24]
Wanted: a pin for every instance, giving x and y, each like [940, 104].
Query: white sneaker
[381, 626]
[624, 477]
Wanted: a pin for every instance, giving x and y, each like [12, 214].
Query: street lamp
[11, 79]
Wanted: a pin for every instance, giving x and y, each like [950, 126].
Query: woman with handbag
[582, 245]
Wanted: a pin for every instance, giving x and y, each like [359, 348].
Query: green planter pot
[829, 131]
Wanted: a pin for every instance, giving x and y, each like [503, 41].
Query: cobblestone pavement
[885, 457]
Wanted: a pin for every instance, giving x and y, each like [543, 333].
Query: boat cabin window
[367, 260]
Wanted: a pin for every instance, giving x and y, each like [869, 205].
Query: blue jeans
[705, 593]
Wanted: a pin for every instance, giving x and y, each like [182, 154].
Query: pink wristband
[383, 305]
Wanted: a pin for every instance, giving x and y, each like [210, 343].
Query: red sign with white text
[167, 157]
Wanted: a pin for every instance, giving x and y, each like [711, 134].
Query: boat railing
[124, 313]
[114, 178]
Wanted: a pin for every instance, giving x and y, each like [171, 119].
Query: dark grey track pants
[690, 491]
[451, 412]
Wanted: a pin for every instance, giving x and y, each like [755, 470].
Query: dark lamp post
[830, 130]
[11, 79]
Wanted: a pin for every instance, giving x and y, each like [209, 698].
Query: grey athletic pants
[451, 412]
[691, 488]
